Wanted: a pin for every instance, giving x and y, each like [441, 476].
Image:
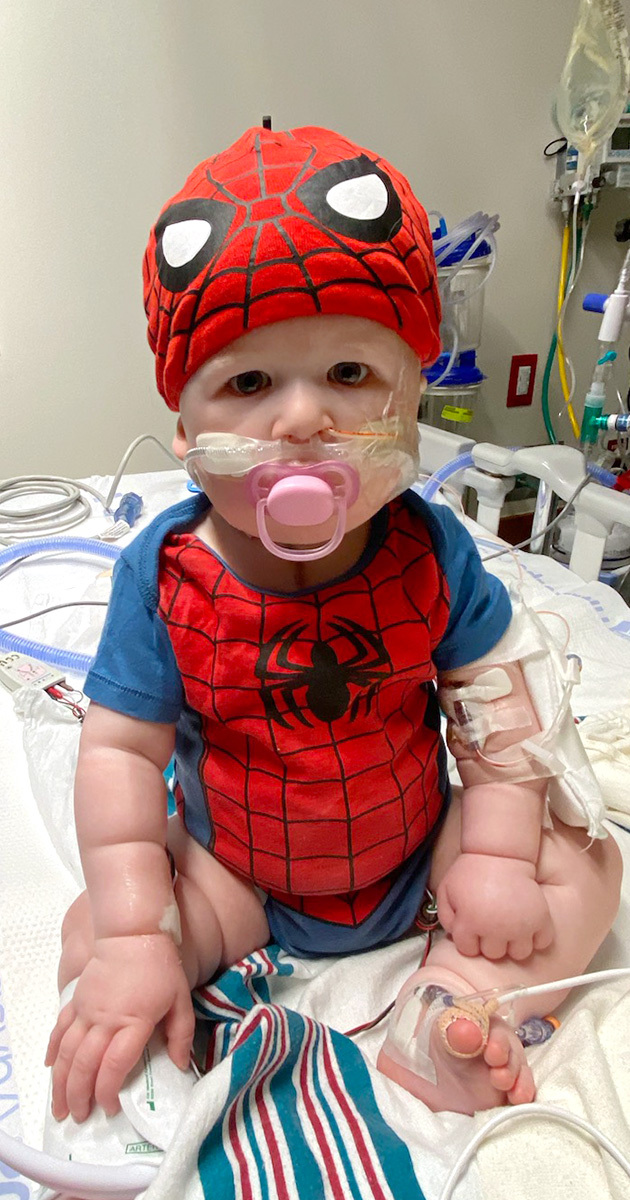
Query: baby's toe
[506, 1058]
[500, 1043]
[464, 1037]
[524, 1090]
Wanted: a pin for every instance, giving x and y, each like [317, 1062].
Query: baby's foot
[498, 1074]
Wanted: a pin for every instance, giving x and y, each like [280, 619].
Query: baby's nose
[302, 413]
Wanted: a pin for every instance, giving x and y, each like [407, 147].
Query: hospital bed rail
[559, 469]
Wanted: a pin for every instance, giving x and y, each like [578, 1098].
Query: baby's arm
[489, 900]
[135, 978]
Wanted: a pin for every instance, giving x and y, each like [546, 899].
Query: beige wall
[104, 107]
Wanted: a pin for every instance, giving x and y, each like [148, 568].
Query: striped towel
[286, 1108]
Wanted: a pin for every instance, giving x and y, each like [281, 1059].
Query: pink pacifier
[296, 495]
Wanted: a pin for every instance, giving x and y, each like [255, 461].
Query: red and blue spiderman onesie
[308, 751]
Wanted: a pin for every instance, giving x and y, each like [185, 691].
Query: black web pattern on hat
[294, 256]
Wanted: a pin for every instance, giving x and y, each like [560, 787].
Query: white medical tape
[490, 685]
[171, 923]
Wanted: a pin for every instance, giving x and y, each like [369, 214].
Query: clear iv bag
[593, 91]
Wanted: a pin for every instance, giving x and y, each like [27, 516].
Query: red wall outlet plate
[522, 380]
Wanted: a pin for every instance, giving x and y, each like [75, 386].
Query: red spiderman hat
[279, 225]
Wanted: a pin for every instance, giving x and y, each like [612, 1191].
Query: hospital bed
[290, 1107]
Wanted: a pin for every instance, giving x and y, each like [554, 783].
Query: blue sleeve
[135, 671]
[480, 609]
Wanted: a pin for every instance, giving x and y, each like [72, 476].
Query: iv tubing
[540, 989]
[562, 365]
[69, 660]
[554, 343]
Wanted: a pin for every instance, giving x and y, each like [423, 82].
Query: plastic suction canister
[70, 661]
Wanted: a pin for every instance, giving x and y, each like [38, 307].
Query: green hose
[545, 390]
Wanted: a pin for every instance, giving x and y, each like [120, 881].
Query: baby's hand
[129, 985]
[494, 907]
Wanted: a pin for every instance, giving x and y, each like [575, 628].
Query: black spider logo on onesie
[326, 679]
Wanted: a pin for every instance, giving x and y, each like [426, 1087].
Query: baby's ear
[181, 444]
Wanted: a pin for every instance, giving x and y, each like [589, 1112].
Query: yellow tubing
[562, 366]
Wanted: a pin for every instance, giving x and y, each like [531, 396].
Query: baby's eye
[249, 382]
[348, 373]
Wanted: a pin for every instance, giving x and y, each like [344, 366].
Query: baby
[283, 631]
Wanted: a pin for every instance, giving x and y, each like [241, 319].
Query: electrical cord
[54, 608]
[144, 437]
[68, 509]
[519, 1113]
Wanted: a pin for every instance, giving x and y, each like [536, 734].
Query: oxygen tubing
[432, 485]
[55, 656]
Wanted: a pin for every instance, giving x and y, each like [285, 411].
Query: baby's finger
[520, 949]
[179, 1028]
[83, 1071]
[467, 943]
[70, 1043]
[120, 1057]
[544, 938]
[493, 947]
[64, 1021]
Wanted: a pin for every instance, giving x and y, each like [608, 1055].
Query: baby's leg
[582, 890]
[222, 916]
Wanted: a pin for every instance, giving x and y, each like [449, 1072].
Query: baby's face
[295, 380]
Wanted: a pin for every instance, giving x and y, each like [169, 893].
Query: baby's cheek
[378, 486]
[230, 498]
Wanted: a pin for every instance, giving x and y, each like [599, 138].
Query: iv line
[539, 989]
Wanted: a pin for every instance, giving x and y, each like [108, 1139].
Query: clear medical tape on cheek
[234, 455]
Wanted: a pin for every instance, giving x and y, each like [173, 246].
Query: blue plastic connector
[129, 508]
[594, 302]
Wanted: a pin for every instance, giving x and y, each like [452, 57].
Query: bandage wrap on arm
[526, 675]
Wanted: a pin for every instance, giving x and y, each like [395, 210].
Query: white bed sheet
[35, 890]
